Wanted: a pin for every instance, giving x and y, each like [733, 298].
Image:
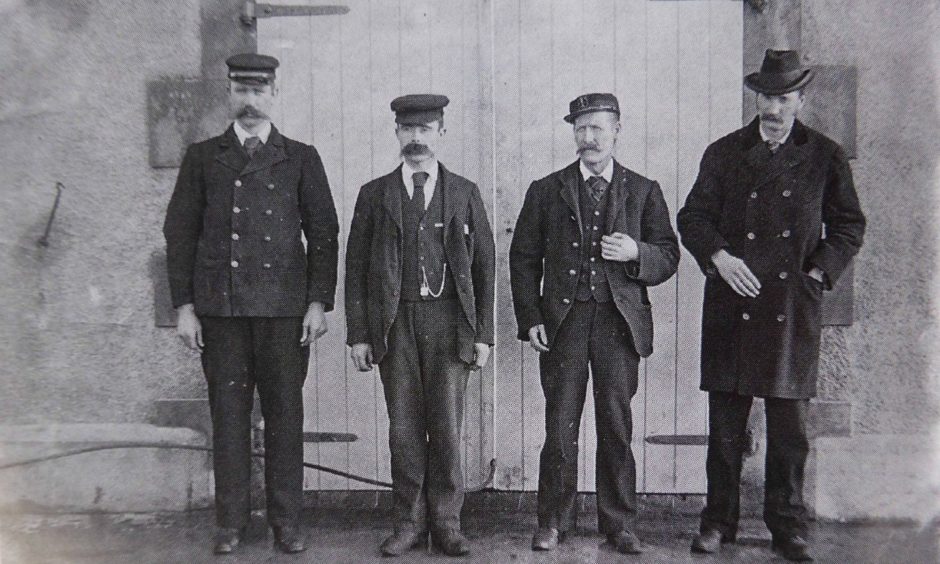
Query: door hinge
[252, 10]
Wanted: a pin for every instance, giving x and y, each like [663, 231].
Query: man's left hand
[619, 247]
[481, 355]
[314, 324]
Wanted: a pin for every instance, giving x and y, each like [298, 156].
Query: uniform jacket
[545, 251]
[769, 211]
[233, 229]
[374, 267]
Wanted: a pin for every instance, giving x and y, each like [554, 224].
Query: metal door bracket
[251, 11]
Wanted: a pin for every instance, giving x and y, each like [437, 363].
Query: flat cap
[595, 102]
[251, 67]
[419, 108]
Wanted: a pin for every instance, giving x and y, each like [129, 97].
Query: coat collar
[790, 155]
[570, 178]
[392, 195]
[234, 156]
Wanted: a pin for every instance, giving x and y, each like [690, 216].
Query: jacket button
[593, 273]
[781, 318]
[597, 213]
[745, 316]
[566, 300]
[753, 195]
[592, 259]
[751, 236]
[236, 209]
[573, 218]
[572, 272]
[234, 236]
[786, 193]
[575, 244]
[267, 265]
[238, 183]
[234, 264]
[785, 234]
[783, 275]
[594, 228]
[267, 212]
[270, 186]
[267, 237]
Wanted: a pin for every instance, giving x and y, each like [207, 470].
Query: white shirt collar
[262, 134]
[607, 174]
[766, 138]
[407, 171]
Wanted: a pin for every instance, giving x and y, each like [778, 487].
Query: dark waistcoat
[592, 279]
[423, 246]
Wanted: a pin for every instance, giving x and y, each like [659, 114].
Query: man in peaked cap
[754, 223]
[250, 298]
[589, 241]
[420, 268]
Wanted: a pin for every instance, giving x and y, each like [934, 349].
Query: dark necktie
[773, 145]
[417, 195]
[598, 186]
[252, 144]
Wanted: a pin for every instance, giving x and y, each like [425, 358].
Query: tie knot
[773, 145]
[420, 179]
[598, 186]
[252, 144]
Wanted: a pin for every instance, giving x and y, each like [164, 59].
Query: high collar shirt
[407, 171]
[243, 134]
[607, 174]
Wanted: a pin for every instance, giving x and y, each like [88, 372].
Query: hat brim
[777, 84]
[573, 115]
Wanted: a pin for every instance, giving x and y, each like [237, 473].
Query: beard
[250, 112]
[416, 150]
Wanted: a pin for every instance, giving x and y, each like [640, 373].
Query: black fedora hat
[780, 73]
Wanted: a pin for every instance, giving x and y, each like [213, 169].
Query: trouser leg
[280, 371]
[445, 382]
[564, 375]
[727, 440]
[407, 432]
[227, 362]
[787, 449]
[614, 366]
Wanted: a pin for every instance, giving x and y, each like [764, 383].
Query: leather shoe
[794, 549]
[625, 542]
[402, 541]
[709, 541]
[227, 540]
[451, 542]
[547, 538]
[289, 540]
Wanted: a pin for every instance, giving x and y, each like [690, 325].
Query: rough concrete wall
[77, 336]
[882, 363]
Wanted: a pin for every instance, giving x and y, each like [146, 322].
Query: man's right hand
[362, 356]
[188, 327]
[736, 274]
[538, 339]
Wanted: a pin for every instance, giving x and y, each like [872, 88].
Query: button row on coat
[265, 265]
[236, 237]
[238, 184]
[785, 234]
[746, 316]
[786, 194]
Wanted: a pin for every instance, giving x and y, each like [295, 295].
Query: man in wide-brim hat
[754, 223]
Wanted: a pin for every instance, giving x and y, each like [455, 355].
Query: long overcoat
[234, 224]
[545, 251]
[781, 213]
[374, 261]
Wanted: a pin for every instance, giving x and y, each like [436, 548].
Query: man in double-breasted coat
[420, 267]
[590, 239]
[772, 220]
[250, 297]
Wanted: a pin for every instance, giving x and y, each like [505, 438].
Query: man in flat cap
[772, 220]
[589, 241]
[250, 297]
[420, 268]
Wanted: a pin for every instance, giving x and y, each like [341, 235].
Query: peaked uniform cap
[251, 67]
[419, 108]
[596, 102]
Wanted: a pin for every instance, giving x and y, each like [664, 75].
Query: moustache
[251, 112]
[584, 148]
[416, 149]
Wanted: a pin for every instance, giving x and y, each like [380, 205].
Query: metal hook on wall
[44, 240]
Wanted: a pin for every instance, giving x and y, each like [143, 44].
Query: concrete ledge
[878, 477]
[124, 480]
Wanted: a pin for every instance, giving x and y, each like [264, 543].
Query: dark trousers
[241, 353]
[592, 334]
[787, 448]
[424, 384]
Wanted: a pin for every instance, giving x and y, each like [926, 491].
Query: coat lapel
[391, 197]
[620, 194]
[268, 155]
[448, 198]
[230, 152]
[570, 182]
[763, 168]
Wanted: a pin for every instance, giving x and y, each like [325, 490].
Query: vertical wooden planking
[726, 71]
[509, 396]
[415, 62]
[662, 130]
[357, 157]
[630, 74]
[536, 123]
[694, 116]
[567, 73]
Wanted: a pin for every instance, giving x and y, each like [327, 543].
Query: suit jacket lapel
[391, 197]
[620, 194]
[268, 155]
[230, 152]
[570, 183]
[448, 198]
